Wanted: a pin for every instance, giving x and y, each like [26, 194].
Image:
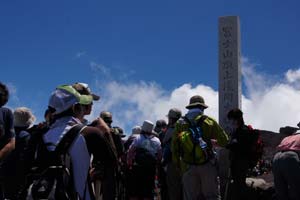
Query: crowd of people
[67, 157]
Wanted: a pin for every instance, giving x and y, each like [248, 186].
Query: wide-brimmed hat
[197, 101]
[174, 113]
[148, 127]
[65, 96]
[84, 89]
[23, 117]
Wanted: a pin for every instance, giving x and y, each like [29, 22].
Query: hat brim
[85, 99]
[197, 105]
[95, 97]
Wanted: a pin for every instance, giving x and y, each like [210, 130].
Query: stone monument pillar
[229, 86]
[229, 67]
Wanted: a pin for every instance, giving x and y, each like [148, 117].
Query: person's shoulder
[248, 129]
[156, 139]
[208, 120]
[87, 130]
[6, 110]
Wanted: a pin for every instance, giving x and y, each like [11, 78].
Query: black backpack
[53, 179]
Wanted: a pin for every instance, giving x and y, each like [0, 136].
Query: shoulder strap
[68, 139]
[190, 122]
[201, 120]
[198, 122]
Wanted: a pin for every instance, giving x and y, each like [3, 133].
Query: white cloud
[99, 68]
[80, 54]
[14, 99]
[269, 104]
[293, 76]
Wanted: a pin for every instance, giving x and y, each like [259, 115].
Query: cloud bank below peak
[269, 104]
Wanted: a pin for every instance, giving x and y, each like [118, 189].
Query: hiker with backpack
[68, 145]
[143, 157]
[244, 153]
[171, 173]
[104, 178]
[286, 168]
[17, 167]
[7, 135]
[193, 152]
[116, 132]
[113, 180]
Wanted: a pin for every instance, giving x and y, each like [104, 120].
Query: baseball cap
[65, 96]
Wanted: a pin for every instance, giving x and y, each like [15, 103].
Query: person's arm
[9, 147]
[9, 135]
[131, 153]
[175, 147]
[216, 132]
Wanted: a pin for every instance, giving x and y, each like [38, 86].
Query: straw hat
[23, 117]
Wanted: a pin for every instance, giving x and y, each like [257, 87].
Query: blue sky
[46, 43]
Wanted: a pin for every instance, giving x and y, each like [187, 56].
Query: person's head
[84, 89]
[173, 115]
[136, 130]
[160, 125]
[197, 101]
[148, 127]
[107, 117]
[66, 101]
[4, 94]
[120, 132]
[23, 118]
[235, 117]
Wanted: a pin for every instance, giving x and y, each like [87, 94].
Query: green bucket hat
[197, 101]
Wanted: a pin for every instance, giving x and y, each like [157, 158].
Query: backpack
[143, 157]
[193, 147]
[257, 147]
[54, 179]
